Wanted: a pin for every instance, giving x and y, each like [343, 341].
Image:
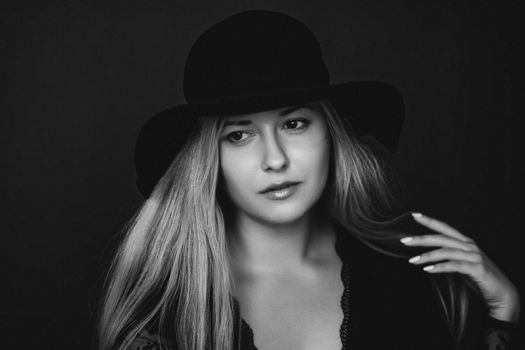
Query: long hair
[172, 272]
[361, 200]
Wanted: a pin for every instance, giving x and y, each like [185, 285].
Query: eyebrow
[282, 113]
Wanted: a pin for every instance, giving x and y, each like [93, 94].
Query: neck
[259, 247]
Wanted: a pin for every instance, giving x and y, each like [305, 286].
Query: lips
[280, 186]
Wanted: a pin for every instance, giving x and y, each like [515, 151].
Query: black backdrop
[78, 79]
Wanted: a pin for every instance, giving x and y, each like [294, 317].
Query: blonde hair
[171, 273]
[362, 199]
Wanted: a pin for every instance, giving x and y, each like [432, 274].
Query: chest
[289, 312]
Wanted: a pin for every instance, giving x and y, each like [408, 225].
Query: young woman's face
[287, 145]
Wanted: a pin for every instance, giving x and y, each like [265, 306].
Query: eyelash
[296, 130]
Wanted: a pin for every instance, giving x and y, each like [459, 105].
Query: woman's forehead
[281, 112]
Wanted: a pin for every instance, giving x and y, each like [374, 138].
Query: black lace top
[387, 304]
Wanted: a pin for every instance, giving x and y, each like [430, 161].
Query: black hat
[255, 61]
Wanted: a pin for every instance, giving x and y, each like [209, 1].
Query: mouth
[280, 186]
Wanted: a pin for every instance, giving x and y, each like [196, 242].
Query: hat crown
[255, 61]
[253, 53]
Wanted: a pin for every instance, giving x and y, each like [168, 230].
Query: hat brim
[373, 108]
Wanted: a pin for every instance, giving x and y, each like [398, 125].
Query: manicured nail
[414, 259]
[417, 215]
[406, 240]
[428, 268]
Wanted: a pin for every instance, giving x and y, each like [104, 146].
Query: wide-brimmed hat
[255, 61]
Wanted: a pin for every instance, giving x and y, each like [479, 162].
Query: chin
[282, 214]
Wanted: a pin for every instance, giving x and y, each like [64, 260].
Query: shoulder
[149, 341]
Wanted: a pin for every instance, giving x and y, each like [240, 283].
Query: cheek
[314, 157]
[235, 171]
[226, 167]
[321, 163]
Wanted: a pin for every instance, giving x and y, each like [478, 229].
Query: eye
[236, 137]
[296, 125]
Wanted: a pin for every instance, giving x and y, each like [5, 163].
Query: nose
[275, 158]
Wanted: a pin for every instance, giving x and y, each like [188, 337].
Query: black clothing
[391, 304]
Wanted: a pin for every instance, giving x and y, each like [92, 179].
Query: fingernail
[417, 215]
[414, 259]
[428, 268]
[406, 239]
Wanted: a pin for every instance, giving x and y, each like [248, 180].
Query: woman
[269, 223]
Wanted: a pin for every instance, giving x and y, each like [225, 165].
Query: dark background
[78, 80]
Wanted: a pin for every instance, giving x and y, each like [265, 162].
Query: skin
[282, 238]
[462, 255]
[285, 265]
[274, 235]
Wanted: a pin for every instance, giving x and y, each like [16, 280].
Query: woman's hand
[461, 254]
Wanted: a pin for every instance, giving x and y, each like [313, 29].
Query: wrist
[509, 309]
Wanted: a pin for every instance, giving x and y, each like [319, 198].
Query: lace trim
[345, 303]
[248, 333]
[148, 341]
[345, 298]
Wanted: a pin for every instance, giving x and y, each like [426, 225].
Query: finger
[440, 226]
[438, 240]
[464, 267]
[445, 254]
